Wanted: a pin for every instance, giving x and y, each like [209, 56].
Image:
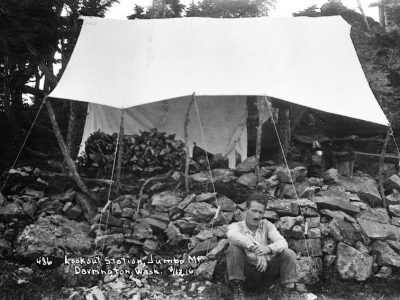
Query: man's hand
[261, 250]
[261, 263]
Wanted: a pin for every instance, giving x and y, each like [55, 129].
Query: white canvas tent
[124, 64]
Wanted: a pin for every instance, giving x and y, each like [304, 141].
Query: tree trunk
[71, 128]
[64, 150]
[284, 131]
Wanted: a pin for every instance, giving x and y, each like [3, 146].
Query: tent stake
[120, 150]
[64, 150]
[187, 145]
[259, 138]
[383, 153]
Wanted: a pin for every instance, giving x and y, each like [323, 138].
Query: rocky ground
[56, 242]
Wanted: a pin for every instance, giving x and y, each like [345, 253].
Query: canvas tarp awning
[308, 61]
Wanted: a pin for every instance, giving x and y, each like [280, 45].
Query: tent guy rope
[107, 206]
[23, 145]
[209, 170]
[293, 186]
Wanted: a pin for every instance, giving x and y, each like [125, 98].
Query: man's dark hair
[259, 197]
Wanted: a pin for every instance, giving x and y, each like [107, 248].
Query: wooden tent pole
[64, 150]
[187, 187]
[364, 17]
[382, 158]
[259, 138]
[120, 150]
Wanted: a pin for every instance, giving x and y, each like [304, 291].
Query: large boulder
[385, 255]
[379, 215]
[286, 224]
[352, 264]
[206, 270]
[284, 207]
[379, 231]
[248, 165]
[248, 180]
[204, 247]
[309, 269]
[337, 214]
[307, 247]
[391, 183]
[165, 200]
[200, 211]
[226, 204]
[336, 200]
[394, 210]
[53, 235]
[297, 174]
[393, 199]
[307, 207]
[365, 187]
[331, 176]
[142, 230]
[11, 210]
[346, 232]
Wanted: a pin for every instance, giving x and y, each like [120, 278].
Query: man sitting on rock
[258, 255]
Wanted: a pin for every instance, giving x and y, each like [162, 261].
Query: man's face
[254, 213]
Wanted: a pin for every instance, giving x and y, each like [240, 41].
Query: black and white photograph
[199, 149]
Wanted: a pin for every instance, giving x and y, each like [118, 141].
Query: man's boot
[237, 287]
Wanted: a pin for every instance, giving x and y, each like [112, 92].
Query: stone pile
[336, 225]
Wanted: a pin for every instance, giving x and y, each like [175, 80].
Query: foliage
[205, 8]
[230, 8]
[312, 11]
[148, 153]
[35, 36]
[167, 9]
[96, 7]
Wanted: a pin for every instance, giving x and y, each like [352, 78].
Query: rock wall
[335, 225]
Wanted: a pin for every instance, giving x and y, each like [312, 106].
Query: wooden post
[284, 130]
[259, 137]
[120, 150]
[381, 160]
[187, 144]
[64, 150]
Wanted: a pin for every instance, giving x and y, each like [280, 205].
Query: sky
[283, 8]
